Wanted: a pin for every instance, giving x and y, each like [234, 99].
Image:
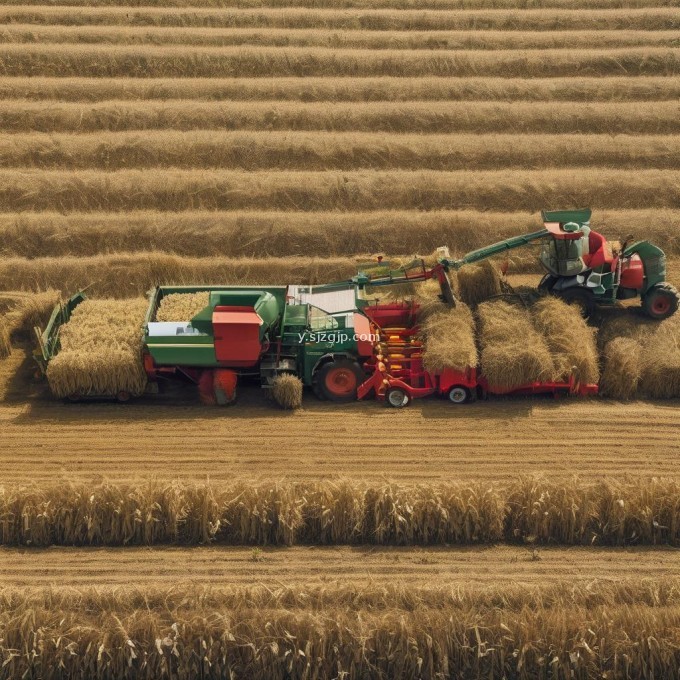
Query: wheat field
[285, 141]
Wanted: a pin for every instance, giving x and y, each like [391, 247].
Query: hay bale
[479, 282]
[513, 352]
[659, 354]
[660, 361]
[287, 391]
[570, 340]
[182, 306]
[621, 368]
[449, 339]
[100, 350]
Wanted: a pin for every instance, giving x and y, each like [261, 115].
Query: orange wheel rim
[341, 381]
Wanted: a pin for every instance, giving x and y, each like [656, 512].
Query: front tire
[459, 395]
[661, 301]
[338, 380]
[397, 398]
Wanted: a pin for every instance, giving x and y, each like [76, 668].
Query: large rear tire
[579, 297]
[661, 301]
[338, 380]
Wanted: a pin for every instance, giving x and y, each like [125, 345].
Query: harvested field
[369, 575]
[176, 438]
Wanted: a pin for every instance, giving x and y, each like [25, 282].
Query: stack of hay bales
[641, 357]
[513, 352]
[570, 340]
[182, 306]
[287, 391]
[478, 282]
[100, 350]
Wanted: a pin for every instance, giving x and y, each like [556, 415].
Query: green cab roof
[581, 216]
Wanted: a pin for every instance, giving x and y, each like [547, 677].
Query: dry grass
[570, 340]
[181, 306]
[323, 191]
[513, 353]
[287, 391]
[573, 512]
[333, 151]
[100, 350]
[623, 89]
[642, 19]
[357, 39]
[21, 313]
[391, 5]
[281, 234]
[442, 117]
[123, 276]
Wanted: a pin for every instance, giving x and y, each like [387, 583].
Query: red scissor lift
[397, 374]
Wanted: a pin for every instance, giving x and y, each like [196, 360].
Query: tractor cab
[572, 247]
[583, 269]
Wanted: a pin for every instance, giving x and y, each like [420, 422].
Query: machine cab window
[319, 320]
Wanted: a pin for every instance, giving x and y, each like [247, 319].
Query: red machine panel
[237, 336]
[633, 273]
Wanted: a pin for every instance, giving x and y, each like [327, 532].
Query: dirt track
[48, 441]
[219, 566]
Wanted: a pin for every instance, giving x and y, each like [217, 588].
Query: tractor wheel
[579, 297]
[661, 301]
[397, 398]
[459, 395]
[546, 283]
[338, 380]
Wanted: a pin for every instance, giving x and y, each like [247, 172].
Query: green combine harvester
[329, 335]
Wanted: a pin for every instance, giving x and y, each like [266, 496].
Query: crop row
[533, 510]
[333, 151]
[430, 40]
[176, 61]
[420, 19]
[284, 234]
[624, 89]
[175, 190]
[659, 118]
